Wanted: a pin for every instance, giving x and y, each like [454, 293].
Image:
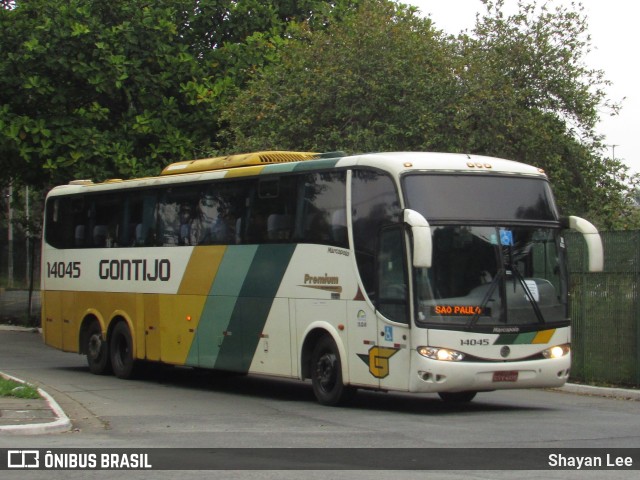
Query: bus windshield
[490, 271]
[493, 277]
[480, 197]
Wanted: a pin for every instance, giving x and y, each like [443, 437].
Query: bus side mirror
[592, 237]
[422, 241]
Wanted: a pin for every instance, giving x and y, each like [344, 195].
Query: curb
[61, 424]
[619, 393]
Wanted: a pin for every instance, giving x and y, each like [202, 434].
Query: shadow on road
[288, 390]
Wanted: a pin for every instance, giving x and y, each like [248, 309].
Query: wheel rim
[95, 346]
[121, 351]
[326, 371]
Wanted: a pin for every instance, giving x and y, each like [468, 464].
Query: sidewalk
[26, 416]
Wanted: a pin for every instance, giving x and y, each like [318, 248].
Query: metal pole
[28, 230]
[10, 237]
[29, 253]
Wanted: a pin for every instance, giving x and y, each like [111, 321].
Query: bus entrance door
[392, 313]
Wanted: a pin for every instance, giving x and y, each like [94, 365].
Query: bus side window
[322, 205]
[132, 231]
[339, 227]
[168, 219]
[79, 223]
[272, 210]
[374, 203]
[216, 217]
[279, 226]
[105, 221]
[62, 222]
[175, 213]
[220, 214]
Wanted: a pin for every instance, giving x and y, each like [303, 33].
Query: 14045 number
[475, 342]
[63, 269]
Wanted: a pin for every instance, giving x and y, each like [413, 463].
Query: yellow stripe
[179, 319]
[201, 270]
[544, 336]
[244, 171]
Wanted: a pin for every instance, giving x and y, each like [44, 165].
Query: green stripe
[233, 270]
[506, 339]
[220, 305]
[238, 305]
[279, 168]
[300, 166]
[316, 164]
[251, 311]
[515, 338]
[525, 338]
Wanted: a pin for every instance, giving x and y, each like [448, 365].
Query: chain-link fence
[605, 307]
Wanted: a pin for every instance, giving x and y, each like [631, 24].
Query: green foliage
[527, 94]
[121, 88]
[385, 79]
[378, 80]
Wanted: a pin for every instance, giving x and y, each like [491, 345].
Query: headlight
[443, 354]
[557, 352]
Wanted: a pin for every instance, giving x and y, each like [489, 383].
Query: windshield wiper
[487, 297]
[530, 297]
[518, 277]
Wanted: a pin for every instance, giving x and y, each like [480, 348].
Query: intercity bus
[409, 272]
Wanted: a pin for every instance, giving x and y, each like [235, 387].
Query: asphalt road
[178, 407]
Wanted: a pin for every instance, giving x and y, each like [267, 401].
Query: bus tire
[457, 397]
[121, 350]
[97, 350]
[326, 374]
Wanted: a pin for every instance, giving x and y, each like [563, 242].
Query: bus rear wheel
[457, 397]
[326, 374]
[97, 350]
[121, 349]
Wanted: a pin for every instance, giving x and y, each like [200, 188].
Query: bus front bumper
[429, 375]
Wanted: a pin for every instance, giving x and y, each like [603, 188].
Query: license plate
[505, 376]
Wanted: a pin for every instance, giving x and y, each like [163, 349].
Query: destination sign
[460, 310]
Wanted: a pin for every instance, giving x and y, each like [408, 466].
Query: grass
[11, 388]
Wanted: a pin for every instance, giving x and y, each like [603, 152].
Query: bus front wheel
[121, 349]
[97, 350]
[326, 374]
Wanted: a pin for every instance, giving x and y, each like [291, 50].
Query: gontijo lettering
[135, 269]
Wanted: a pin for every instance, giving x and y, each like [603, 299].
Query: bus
[407, 272]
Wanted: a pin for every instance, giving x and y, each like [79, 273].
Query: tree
[386, 79]
[378, 80]
[526, 93]
[120, 88]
